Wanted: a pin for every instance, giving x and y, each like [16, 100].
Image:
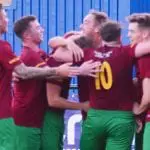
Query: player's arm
[62, 41]
[25, 72]
[55, 100]
[63, 54]
[86, 69]
[145, 102]
[68, 44]
[57, 41]
[71, 48]
[142, 48]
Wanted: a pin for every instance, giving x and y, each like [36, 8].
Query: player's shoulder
[88, 50]
[5, 48]
[128, 46]
[5, 45]
[52, 62]
[29, 55]
[2, 42]
[29, 52]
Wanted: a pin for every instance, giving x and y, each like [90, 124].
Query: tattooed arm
[25, 72]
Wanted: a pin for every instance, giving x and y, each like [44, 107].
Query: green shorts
[28, 138]
[7, 134]
[53, 130]
[113, 130]
[146, 142]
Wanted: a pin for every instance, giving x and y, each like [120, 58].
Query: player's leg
[139, 140]
[93, 131]
[7, 134]
[53, 130]
[146, 142]
[121, 131]
[28, 138]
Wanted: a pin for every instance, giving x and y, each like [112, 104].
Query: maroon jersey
[63, 83]
[144, 72]
[30, 95]
[8, 61]
[83, 91]
[113, 89]
[83, 87]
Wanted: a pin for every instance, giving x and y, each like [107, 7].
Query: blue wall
[60, 16]
[140, 6]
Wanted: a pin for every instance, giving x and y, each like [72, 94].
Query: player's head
[139, 27]
[3, 20]
[92, 22]
[110, 31]
[29, 29]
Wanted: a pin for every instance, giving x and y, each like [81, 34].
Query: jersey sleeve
[144, 66]
[132, 50]
[7, 57]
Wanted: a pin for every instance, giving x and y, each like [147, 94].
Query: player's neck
[31, 45]
[112, 44]
[97, 42]
[1, 33]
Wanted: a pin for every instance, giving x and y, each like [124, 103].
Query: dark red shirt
[113, 90]
[83, 90]
[30, 95]
[63, 83]
[144, 72]
[8, 61]
[83, 86]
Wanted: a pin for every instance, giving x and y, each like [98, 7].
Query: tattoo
[25, 72]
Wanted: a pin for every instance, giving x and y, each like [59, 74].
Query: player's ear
[25, 35]
[96, 30]
[145, 34]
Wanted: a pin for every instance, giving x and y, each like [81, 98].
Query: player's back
[112, 89]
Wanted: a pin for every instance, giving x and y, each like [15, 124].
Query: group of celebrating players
[114, 106]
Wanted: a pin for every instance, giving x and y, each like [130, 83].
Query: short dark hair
[84, 42]
[23, 24]
[1, 7]
[100, 17]
[142, 19]
[110, 31]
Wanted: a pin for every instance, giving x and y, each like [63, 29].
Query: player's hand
[135, 81]
[135, 108]
[139, 109]
[86, 106]
[139, 125]
[66, 70]
[15, 77]
[90, 68]
[76, 50]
